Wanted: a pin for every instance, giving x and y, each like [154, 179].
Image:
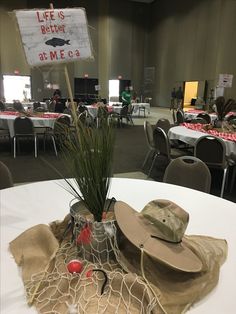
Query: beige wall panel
[103, 49]
[211, 43]
[120, 46]
[226, 62]
[90, 67]
[53, 74]
[199, 31]
[128, 40]
[12, 53]
[139, 43]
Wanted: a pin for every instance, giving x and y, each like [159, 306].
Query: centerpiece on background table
[222, 109]
[88, 155]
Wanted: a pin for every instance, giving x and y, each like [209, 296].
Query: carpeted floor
[130, 151]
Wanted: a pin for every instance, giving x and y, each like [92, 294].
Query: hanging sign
[225, 80]
[54, 35]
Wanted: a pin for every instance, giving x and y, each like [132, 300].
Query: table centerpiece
[222, 108]
[88, 155]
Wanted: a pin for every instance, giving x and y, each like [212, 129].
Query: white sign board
[54, 35]
[225, 80]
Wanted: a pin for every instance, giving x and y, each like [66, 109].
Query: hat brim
[176, 255]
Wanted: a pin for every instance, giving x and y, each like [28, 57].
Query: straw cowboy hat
[159, 231]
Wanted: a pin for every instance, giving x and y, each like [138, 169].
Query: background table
[25, 206]
[7, 121]
[29, 105]
[116, 107]
[93, 109]
[190, 137]
[139, 105]
[193, 113]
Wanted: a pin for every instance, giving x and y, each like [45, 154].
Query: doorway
[116, 87]
[190, 93]
[17, 87]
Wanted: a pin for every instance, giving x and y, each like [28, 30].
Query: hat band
[154, 236]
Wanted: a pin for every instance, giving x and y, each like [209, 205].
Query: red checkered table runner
[200, 127]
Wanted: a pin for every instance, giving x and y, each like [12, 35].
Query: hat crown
[168, 220]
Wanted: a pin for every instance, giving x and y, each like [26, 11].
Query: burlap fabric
[52, 289]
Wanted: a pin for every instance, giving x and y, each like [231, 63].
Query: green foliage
[88, 155]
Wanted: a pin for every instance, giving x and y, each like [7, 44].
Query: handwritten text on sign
[50, 36]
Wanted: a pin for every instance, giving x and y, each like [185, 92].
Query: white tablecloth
[25, 206]
[117, 108]
[93, 110]
[28, 105]
[190, 137]
[192, 115]
[136, 108]
[138, 105]
[7, 122]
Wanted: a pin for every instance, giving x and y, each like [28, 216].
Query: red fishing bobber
[75, 266]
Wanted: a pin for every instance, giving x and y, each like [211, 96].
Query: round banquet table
[193, 113]
[138, 105]
[190, 137]
[27, 205]
[7, 121]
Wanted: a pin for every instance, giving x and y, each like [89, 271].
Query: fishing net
[116, 276]
[60, 292]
